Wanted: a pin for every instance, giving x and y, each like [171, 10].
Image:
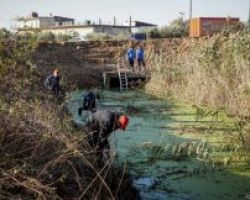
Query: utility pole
[114, 21]
[190, 9]
[130, 22]
[249, 15]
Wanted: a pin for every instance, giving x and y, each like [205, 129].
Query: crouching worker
[52, 82]
[99, 127]
[89, 102]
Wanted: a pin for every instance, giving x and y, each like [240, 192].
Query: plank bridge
[122, 78]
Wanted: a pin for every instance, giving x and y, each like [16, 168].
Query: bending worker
[101, 124]
[89, 102]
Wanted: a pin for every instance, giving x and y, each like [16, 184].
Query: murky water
[168, 152]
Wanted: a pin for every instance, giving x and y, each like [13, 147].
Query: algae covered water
[168, 152]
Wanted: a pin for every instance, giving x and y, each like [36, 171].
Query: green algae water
[169, 152]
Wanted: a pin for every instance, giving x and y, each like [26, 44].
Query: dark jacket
[99, 127]
[52, 82]
[89, 101]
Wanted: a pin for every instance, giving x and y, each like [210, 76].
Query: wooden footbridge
[122, 78]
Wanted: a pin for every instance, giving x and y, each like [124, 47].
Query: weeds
[212, 73]
[42, 155]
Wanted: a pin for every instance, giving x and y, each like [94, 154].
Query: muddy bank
[84, 62]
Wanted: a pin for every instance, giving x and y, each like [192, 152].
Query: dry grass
[207, 72]
[213, 72]
[42, 155]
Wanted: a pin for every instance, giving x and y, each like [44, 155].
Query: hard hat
[123, 120]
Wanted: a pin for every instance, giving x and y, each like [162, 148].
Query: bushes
[211, 73]
[105, 36]
[98, 37]
[45, 37]
[4, 33]
[177, 28]
[40, 37]
[63, 37]
[42, 156]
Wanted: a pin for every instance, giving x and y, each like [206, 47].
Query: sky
[159, 12]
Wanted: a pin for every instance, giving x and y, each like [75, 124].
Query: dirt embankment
[80, 63]
[83, 63]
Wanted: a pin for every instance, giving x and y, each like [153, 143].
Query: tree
[4, 33]
[177, 28]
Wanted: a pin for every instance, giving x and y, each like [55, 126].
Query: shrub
[4, 34]
[46, 36]
[62, 37]
[98, 37]
[177, 28]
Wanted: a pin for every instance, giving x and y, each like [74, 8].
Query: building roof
[45, 17]
[139, 24]
[64, 18]
[84, 26]
[218, 18]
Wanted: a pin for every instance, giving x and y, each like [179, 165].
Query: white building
[83, 30]
[63, 25]
[141, 27]
[34, 21]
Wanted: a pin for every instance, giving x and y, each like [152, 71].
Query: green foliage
[122, 36]
[46, 37]
[105, 36]
[98, 37]
[62, 37]
[225, 54]
[4, 33]
[25, 36]
[177, 28]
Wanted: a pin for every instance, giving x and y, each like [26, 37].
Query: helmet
[123, 120]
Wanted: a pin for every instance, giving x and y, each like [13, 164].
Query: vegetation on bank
[42, 155]
[212, 74]
[36, 36]
[177, 28]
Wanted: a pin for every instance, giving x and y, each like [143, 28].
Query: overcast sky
[160, 12]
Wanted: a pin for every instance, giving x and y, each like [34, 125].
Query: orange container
[204, 26]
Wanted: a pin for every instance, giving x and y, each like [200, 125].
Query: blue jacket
[131, 54]
[140, 54]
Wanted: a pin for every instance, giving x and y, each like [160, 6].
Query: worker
[52, 82]
[89, 102]
[99, 127]
[131, 54]
[140, 57]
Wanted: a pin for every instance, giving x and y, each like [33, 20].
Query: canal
[170, 151]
